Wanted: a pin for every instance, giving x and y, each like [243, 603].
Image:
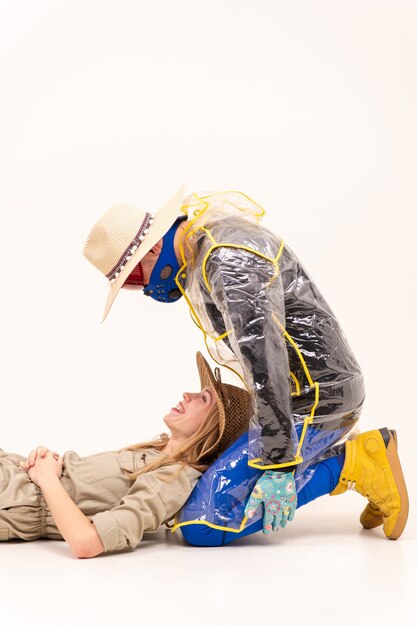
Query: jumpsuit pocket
[100, 468]
[126, 460]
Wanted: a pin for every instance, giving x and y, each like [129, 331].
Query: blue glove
[277, 491]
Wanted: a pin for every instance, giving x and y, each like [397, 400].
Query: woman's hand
[45, 466]
[39, 451]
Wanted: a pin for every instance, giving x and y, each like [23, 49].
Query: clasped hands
[42, 463]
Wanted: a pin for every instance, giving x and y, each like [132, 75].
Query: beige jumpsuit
[121, 509]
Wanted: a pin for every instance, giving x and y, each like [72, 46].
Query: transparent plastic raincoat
[264, 318]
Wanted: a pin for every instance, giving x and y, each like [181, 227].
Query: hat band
[132, 247]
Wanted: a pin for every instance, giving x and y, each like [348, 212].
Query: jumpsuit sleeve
[248, 292]
[149, 502]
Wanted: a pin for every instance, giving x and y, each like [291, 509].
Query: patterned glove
[277, 491]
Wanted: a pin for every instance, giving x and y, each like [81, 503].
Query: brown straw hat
[122, 237]
[234, 405]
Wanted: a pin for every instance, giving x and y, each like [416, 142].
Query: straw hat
[234, 405]
[122, 237]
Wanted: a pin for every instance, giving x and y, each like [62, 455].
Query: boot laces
[351, 484]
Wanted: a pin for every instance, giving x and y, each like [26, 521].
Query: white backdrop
[307, 107]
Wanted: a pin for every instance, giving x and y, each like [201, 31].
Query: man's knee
[202, 535]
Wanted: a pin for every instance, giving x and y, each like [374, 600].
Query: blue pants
[324, 480]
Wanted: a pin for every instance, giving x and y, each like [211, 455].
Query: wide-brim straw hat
[234, 406]
[123, 235]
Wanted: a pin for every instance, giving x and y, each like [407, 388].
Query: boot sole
[395, 465]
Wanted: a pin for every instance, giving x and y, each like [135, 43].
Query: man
[262, 316]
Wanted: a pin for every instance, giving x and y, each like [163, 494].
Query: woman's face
[186, 418]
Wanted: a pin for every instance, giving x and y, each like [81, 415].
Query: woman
[105, 502]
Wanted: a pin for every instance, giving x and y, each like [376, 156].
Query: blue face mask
[162, 286]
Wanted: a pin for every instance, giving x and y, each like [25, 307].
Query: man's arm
[247, 290]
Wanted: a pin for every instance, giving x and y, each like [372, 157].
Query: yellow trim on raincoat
[230, 530]
[186, 234]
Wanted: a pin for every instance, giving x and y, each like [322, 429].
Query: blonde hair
[190, 453]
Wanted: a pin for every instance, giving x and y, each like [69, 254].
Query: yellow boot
[372, 467]
[371, 516]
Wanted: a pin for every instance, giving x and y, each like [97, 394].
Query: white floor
[322, 569]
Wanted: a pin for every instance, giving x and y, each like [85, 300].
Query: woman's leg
[324, 480]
